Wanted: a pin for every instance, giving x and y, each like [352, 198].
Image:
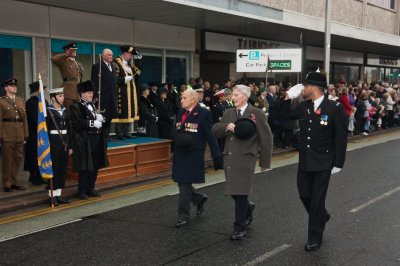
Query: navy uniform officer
[59, 128]
[193, 131]
[13, 133]
[88, 141]
[323, 142]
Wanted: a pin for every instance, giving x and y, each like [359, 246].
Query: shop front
[382, 68]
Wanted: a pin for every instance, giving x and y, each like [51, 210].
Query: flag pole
[45, 115]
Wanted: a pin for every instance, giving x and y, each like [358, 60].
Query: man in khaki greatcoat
[246, 134]
[13, 132]
[71, 72]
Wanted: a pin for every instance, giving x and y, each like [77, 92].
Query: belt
[12, 120]
[55, 132]
[70, 79]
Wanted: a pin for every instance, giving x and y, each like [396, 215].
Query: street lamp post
[327, 59]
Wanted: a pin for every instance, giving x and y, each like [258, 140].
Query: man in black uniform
[108, 93]
[88, 141]
[58, 126]
[31, 162]
[323, 142]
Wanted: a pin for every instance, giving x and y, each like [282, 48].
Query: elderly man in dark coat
[193, 132]
[247, 135]
[323, 142]
[88, 141]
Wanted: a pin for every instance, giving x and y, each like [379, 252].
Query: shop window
[177, 67]
[350, 73]
[150, 65]
[371, 74]
[16, 61]
[84, 56]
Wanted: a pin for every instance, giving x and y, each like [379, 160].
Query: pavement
[136, 226]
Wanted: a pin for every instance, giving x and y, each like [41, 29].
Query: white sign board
[281, 60]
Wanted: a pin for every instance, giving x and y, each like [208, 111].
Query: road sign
[280, 60]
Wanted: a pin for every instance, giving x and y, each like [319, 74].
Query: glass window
[16, 61]
[394, 75]
[151, 66]
[348, 72]
[371, 74]
[177, 67]
[84, 56]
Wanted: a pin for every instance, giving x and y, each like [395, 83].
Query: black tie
[239, 114]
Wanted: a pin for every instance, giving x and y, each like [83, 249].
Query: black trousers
[59, 157]
[312, 187]
[87, 179]
[187, 194]
[241, 212]
[122, 129]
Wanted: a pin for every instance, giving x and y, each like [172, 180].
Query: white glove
[100, 118]
[97, 124]
[295, 91]
[128, 78]
[335, 170]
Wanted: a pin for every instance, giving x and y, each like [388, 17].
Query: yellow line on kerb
[74, 204]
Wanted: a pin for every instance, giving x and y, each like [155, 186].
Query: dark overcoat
[188, 166]
[323, 134]
[31, 162]
[240, 156]
[108, 95]
[165, 119]
[148, 117]
[81, 122]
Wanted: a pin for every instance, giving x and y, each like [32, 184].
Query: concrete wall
[350, 12]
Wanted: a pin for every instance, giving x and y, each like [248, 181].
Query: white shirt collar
[124, 61]
[244, 107]
[318, 102]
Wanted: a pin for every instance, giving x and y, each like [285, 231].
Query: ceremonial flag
[269, 67]
[43, 144]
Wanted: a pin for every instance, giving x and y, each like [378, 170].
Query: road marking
[372, 201]
[39, 230]
[267, 255]
[74, 204]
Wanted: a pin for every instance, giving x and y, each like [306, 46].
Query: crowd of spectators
[369, 107]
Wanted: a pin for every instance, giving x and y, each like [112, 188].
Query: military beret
[71, 45]
[34, 86]
[9, 82]
[184, 141]
[245, 128]
[317, 79]
[127, 49]
[85, 86]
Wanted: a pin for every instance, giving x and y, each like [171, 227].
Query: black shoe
[238, 235]
[181, 223]
[18, 187]
[55, 202]
[328, 217]
[82, 196]
[7, 189]
[94, 193]
[36, 183]
[200, 206]
[62, 200]
[311, 246]
[249, 219]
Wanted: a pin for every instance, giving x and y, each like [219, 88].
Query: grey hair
[192, 94]
[106, 50]
[244, 90]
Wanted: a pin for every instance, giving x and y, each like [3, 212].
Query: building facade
[181, 39]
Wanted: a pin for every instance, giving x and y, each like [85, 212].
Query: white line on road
[38, 230]
[372, 201]
[267, 255]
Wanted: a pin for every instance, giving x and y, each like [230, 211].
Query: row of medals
[191, 127]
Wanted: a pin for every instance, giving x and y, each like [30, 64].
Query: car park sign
[278, 60]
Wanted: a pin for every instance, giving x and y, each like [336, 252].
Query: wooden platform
[133, 158]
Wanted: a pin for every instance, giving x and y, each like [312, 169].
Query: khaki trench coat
[240, 156]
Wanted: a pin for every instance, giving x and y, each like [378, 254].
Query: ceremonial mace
[98, 107]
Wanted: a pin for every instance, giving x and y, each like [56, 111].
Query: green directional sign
[281, 64]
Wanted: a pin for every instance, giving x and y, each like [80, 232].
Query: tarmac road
[364, 229]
